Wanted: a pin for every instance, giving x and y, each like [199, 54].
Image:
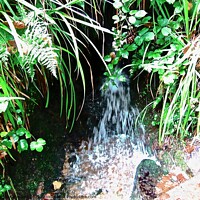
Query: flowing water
[105, 166]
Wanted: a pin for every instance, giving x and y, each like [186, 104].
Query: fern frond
[40, 49]
[4, 54]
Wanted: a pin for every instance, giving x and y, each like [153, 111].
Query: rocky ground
[116, 182]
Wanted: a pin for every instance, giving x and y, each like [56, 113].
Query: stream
[109, 165]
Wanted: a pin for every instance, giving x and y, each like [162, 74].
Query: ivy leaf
[166, 31]
[148, 36]
[22, 145]
[132, 19]
[141, 13]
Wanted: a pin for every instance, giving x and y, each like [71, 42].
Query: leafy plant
[39, 40]
[162, 40]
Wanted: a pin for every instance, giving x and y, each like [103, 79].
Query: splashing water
[107, 163]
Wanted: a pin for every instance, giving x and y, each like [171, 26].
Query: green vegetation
[39, 41]
[44, 41]
[163, 41]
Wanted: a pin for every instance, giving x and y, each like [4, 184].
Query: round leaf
[33, 145]
[107, 58]
[125, 9]
[138, 40]
[141, 13]
[21, 131]
[19, 120]
[39, 148]
[117, 4]
[166, 31]
[132, 47]
[22, 145]
[15, 137]
[7, 143]
[41, 141]
[28, 134]
[148, 36]
[132, 19]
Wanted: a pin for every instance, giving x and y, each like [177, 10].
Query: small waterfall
[107, 163]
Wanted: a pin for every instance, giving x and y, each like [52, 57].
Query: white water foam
[108, 161]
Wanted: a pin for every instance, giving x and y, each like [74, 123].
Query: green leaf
[146, 19]
[3, 134]
[7, 143]
[170, 1]
[110, 66]
[116, 18]
[132, 19]
[7, 187]
[39, 149]
[178, 9]
[15, 137]
[125, 9]
[157, 101]
[141, 13]
[132, 47]
[115, 61]
[125, 54]
[138, 40]
[117, 4]
[28, 134]
[143, 31]
[166, 31]
[132, 12]
[148, 36]
[22, 145]
[19, 120]
[3, 106]
[122, 78]
[38, 146]
[162, 21]
[169, 79]
[107, 58]
[21, 131]
[41, 141]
